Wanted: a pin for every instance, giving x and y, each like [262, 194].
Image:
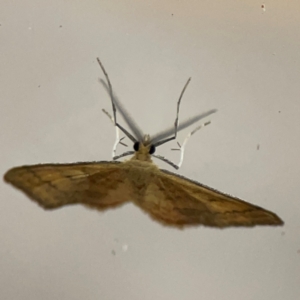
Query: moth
[169, 198]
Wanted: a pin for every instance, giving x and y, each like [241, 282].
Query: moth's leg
[176, 120]
[182, 147]
[118, 139]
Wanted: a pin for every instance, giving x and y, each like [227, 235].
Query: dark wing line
[204, 186]
[84, 163]
[55, 185]
[253, 212]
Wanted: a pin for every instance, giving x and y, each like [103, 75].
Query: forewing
[175, 200]
[97, 184]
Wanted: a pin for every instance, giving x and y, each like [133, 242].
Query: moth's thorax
[140, 173]
[143, 153]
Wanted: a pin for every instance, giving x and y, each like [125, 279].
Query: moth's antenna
[166, 161]
[176, 120]
[113, 104]
[138, 133]
[182, 147]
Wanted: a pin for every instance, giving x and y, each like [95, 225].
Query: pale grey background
[243, 61]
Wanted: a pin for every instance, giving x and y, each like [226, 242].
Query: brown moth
[168, 198]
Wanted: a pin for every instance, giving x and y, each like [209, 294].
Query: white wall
[243, 60]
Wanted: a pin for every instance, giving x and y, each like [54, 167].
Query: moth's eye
[152, 149]
[136, 146]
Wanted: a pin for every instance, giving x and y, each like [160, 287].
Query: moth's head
[144, 149]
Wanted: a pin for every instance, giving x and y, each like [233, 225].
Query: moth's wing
[96, 184]
[176, 200]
